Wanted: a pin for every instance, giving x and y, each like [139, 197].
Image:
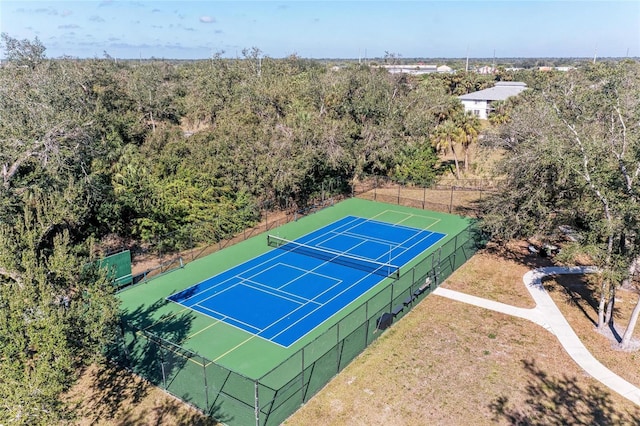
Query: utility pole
[466, 68]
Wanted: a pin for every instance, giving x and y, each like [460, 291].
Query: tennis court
[252, 331]
[285, 293]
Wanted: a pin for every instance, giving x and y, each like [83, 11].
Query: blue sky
[327, 29]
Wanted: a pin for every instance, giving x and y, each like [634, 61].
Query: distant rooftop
[501, 91]
[416, 69]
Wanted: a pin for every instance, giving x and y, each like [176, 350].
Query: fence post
[164, 377]
[366, 315]
[206, 387]
[424, 196]
[399, 187]
[303, 392]
[256, 403]
[451, 201]
[191, 243]
[391, 301]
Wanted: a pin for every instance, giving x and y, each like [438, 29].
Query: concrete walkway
[547, 315]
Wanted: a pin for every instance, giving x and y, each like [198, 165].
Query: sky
[327, 29]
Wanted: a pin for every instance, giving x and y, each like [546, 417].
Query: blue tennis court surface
[285, 293]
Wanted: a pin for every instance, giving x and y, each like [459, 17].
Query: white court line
[314, 240]
[227, 316]
[304, 272]
[434, 220]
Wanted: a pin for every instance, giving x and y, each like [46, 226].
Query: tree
[445, 137]
[23, 52]
[469, 126]
[57, 314]
[577, 163]
[416, 164]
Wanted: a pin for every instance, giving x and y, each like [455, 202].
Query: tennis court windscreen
[345, 259]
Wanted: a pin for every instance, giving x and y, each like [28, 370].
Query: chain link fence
[457, 196]
[233, 398]
[194, 241]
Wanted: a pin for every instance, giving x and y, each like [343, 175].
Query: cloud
[68, 27]
[66, 13]
[189, 29]
[156, 11]
[96, 18]
[207, 19]
[39, 11]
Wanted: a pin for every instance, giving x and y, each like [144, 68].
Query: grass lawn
[448, 363]
[444, 363]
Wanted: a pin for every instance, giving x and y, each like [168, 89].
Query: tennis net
[368, 265]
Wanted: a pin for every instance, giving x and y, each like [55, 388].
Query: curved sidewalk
[547, 315]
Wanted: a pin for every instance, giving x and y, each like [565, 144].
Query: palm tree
[445, 137]
[469, 126]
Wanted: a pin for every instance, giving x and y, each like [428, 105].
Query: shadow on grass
[106, 389]
[151, 347]
[519, 255]
[168, 412]
[560, 401]
[578, 292]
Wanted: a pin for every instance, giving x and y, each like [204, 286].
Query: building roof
[501, 91]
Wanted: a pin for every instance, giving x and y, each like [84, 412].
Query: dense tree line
[92, 148]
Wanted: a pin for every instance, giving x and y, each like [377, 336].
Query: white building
[486, 70]
[479, 103]
[411, 69]
[417, 69]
